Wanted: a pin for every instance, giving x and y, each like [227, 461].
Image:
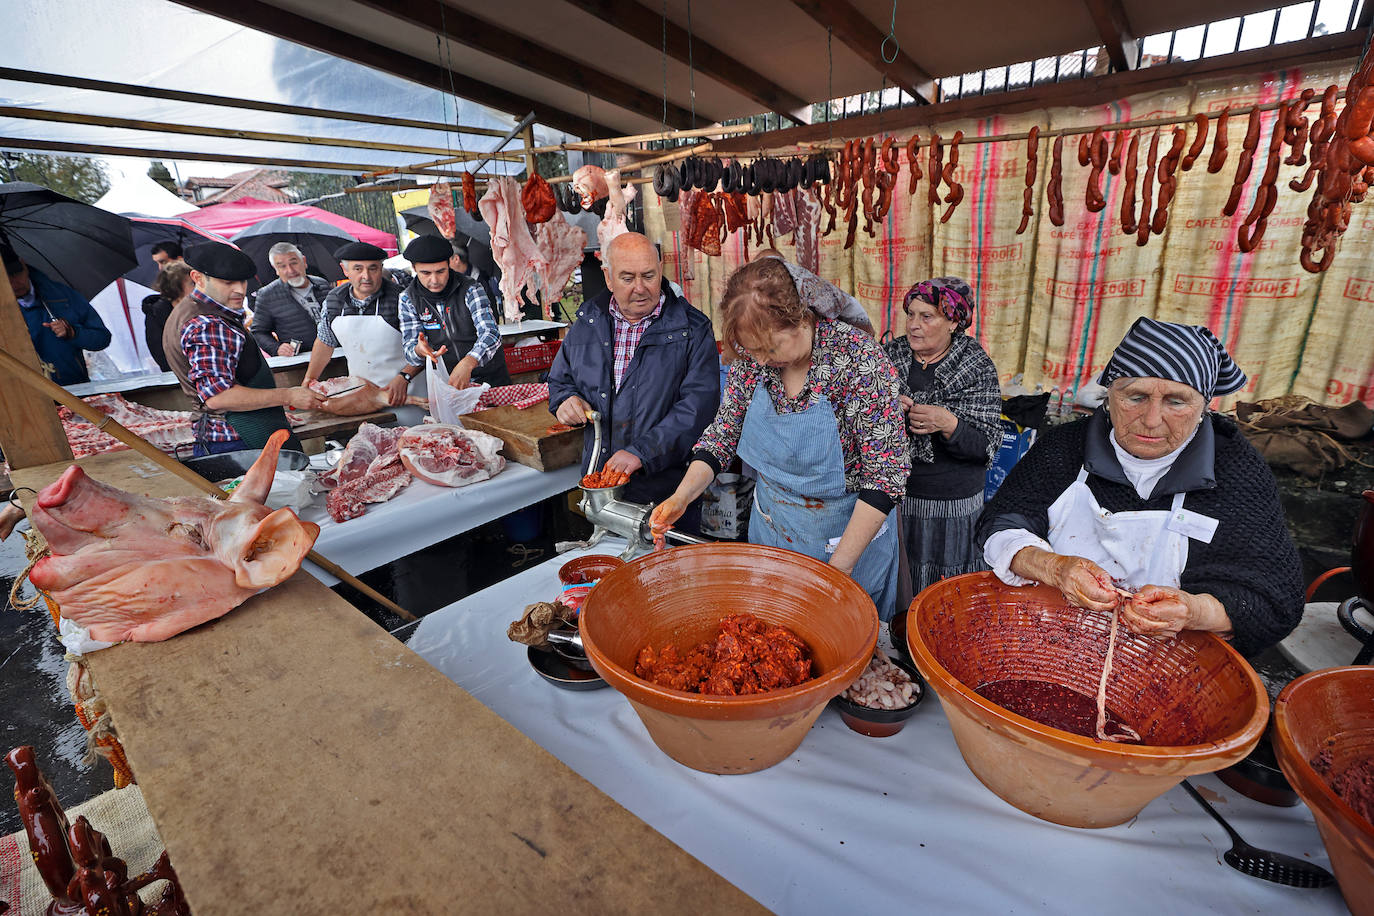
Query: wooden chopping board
[525, 433]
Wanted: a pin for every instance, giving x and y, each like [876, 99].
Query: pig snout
[75, 510]
[60, 490]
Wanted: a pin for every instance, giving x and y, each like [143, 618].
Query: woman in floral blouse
[811, 403]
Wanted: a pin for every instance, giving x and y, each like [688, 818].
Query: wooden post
[30, 430]
[528, 136]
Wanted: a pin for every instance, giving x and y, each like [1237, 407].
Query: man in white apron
[1155, 498]
[362, 315]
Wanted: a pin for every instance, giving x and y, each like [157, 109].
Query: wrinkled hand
[926, 418]
[59, 327]
[396, 391]
[663, 517]
[1084, 583]
[623, 462]
[572, 412]
[905, 402]
[304, 399]
[286, 350]
[424, 349]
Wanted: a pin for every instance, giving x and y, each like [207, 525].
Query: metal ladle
[1261, 863]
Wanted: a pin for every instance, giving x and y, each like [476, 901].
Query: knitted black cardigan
[1251, 565]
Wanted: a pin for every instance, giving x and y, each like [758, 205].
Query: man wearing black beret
[362, 315]
[445, 315]
[219, 364]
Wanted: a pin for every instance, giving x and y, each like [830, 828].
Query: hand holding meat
[396, 391]
[130, 567]
[1158, 610]
[623, 462]
[572, 412]
[302, 398]
[663, 517]
[461, 376]
[353, 396]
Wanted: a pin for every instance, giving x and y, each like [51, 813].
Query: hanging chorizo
[956, 190]
[1118, 145]
[1218, 158]
[1055, 188]
[1142, 230]
[1097, 157]
[1032, 168]
[913, 163]
[933, 157]
[1168, 183]
[1199, 142]
[1244, 163]
[1128, 222]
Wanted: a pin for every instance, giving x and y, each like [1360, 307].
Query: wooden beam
[66, 117]
[646, 25]
[265, 17]
[865, 39]
[1077, 93]
[488, 38]
[1109, 18]
[95, 149]
[200, 98]
[30, 431]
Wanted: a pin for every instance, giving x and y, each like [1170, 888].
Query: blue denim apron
[800, 501]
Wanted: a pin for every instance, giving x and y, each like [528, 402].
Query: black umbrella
[478, 246]
[149, 230]
[476, 230]
[74, 243]
[316, 239]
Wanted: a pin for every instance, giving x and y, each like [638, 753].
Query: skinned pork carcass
[130, 567]
[441, 209]
[359, 396]
[613, 223]
[590, 184]
[560, 243]
[369, 471]
[512, 246]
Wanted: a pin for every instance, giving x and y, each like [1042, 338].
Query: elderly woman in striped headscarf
[952, 401]
[1153, 506]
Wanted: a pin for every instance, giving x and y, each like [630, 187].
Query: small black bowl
[882, 723]
[560, 674]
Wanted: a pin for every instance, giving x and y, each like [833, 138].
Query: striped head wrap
[1185, 353]
[951, 295]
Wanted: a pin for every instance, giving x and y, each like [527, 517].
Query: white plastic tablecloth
[423, 514]
[853, 824]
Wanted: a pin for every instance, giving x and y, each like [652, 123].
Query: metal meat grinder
[612, 515]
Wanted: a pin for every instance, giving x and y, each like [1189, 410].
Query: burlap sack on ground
[1293, 432]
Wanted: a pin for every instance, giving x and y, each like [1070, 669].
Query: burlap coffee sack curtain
[1054, 301]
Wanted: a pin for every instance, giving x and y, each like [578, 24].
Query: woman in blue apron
[811, 403]
[1156, 497]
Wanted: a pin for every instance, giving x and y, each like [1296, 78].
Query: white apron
[374, 350]
[1148, 547]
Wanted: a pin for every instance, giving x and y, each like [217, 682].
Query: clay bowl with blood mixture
[679, 596]
[1333, 710]
[1196, 703]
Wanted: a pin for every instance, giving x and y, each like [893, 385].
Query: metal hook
[15, 492]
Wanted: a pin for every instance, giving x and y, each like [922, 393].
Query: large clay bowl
[1196, 703]
[678, 597]
[1335, 706]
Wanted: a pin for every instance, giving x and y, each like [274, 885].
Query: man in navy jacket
[647, 360]
[61, 322]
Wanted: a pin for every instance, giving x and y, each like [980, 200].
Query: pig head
[130, 567]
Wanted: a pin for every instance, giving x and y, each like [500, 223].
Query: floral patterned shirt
[849, 369]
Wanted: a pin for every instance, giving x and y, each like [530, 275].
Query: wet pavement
[36, 709]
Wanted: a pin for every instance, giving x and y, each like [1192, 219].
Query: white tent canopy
[132, 194]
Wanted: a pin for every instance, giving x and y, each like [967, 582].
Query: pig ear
[274, 550]
[257, 483]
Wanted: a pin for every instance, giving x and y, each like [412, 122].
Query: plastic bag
[446, 403]
[291, 490]
[725, 506]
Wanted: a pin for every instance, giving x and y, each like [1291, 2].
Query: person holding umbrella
[445, 315]
[219, 364]
[61, 322]
[362, 315]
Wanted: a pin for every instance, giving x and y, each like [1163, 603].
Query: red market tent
[229, 218]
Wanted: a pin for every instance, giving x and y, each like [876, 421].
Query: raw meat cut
[362, 396]
[590, 184]
[807, 238]
[784, 212]
[130, 567]
[512, 246]
[166, 429]
[613, 223]
[560, 245]
[537, 199]
[369, 471]
[441, 209]
[450, 456]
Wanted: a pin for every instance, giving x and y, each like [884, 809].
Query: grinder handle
[594, 464]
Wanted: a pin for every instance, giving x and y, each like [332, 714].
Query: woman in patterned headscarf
[1152, 506]
[952, 401]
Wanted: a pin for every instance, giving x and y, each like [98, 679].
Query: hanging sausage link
[1032, 168]
[1142, 229]
[1055, 190]
[956, 190]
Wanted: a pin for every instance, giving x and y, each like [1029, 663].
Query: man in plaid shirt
[647, 360]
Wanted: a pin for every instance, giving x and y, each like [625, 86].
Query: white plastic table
[850, 824]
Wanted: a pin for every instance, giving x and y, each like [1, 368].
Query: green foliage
[75, 176]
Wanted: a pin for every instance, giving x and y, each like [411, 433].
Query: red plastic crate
[532, 357]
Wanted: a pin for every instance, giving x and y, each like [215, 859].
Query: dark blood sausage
[1032, 168]
[1244, 164]
[1128, 223]
[1218, 157]
[1142, 229]
[1199, 142]
[1055, 189]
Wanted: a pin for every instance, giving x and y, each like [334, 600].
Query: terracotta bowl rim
[1236, 744]
[816, 692]
[1311, 788]
[591, 559]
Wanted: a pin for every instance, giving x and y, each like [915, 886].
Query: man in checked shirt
[647, 360]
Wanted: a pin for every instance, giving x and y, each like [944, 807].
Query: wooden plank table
[320, 424]
[298, 759]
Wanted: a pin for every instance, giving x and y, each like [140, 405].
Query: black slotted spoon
[1261, 863]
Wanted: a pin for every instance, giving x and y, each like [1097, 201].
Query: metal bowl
[228, 465]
